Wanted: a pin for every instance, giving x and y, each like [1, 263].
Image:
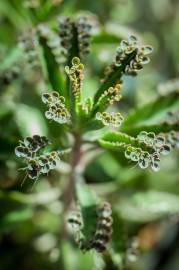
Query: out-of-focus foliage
[144, 203]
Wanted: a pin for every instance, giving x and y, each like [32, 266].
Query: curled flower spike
[76, 76]
[110, 119]
[56, 107]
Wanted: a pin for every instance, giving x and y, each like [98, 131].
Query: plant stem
[69, 191]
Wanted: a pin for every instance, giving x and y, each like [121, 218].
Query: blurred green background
[148, 202]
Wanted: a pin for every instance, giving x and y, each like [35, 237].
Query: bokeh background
[30, 221]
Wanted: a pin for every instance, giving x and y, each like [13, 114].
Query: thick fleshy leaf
[152, 116]
[51, 67]
[148, 206]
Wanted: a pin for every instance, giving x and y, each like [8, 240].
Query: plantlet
[93, 123]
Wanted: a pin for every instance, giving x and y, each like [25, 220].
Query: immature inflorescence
[102, 233]
[37, 163]
[57, 110]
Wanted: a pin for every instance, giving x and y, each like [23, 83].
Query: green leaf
[85, 196]
[88, 202]
[156, 128]
[11, 219]
[148, 206]
[41, 198]
[52, 69]
[13, 55]
[105, 37]
[8, 145]
[116, 141]
[149, 116]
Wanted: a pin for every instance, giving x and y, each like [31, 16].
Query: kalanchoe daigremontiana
[80, 114]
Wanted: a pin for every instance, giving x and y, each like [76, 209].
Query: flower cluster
[99, 239]
[111, 119]
[36, 164]
[149, 150]
[56, 107]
